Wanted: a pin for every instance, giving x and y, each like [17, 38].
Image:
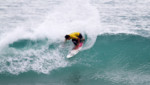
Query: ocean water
[116, 50]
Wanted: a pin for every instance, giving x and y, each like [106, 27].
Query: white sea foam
[39, 60]
[35, 20]
[88, 17]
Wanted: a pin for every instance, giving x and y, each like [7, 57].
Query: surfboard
[75, 50]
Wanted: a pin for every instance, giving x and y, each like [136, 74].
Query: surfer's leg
[75, 41]
[80, 36]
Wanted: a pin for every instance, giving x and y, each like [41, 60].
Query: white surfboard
[74, 51]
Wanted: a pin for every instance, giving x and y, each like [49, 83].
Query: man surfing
[76, 38]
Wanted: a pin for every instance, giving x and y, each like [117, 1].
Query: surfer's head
[67, 37]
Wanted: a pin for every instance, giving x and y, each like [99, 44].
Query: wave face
[116, 50]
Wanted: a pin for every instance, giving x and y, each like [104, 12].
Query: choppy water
[116, 51]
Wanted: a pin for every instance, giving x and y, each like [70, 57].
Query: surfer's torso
[74, 35]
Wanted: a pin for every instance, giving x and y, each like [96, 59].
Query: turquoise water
[116, 50]
[113, 60]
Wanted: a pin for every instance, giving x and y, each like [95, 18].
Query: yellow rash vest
[74, 35]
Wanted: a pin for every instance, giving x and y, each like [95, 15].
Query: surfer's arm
[64, 42]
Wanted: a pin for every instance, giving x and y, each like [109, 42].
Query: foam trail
[72, 16]
[68, 17]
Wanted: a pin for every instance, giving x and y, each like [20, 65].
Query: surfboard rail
[75, 50]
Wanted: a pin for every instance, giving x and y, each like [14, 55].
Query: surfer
[76, 38]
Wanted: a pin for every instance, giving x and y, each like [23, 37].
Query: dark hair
[67, 36]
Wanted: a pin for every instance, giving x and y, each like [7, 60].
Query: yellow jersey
[74, 35]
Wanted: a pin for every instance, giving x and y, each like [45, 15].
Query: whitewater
[116, 50]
